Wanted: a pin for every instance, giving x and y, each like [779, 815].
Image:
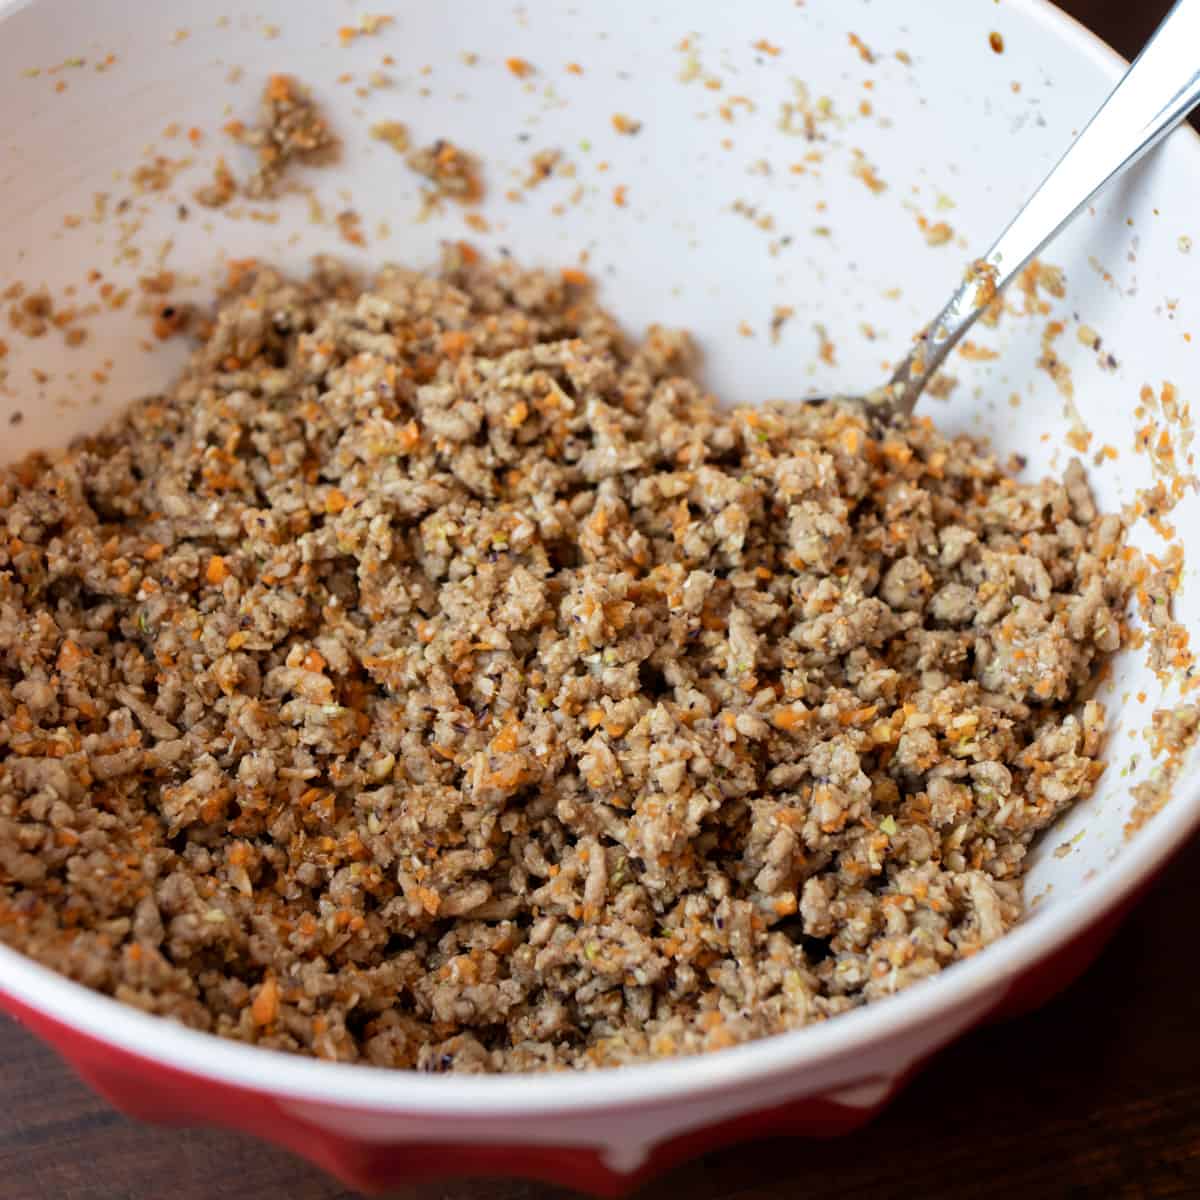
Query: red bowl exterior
[150, 1091]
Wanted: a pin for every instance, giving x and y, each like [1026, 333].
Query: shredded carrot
[410, 437]
[237, 269]
[265, 1008]
[454, 343]
[790, 718]
[507, 739]
[70, 656]
[856, 716]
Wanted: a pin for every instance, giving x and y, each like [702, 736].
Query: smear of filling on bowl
[433, 679]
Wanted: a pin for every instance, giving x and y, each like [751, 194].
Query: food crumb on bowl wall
[1173, 733]
[292, 128]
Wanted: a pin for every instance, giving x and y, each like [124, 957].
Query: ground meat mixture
[431, 679]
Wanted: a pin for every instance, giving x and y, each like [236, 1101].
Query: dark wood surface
[1096, 1095]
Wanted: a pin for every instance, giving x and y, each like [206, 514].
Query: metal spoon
[1160, 88]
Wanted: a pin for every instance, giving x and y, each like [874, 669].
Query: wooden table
[1114, 1111]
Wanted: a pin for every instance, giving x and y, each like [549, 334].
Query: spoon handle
[1160, 88]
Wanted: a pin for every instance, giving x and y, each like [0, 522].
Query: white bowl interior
[726, 217]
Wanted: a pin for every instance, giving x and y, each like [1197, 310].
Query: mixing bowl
[807, 182]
